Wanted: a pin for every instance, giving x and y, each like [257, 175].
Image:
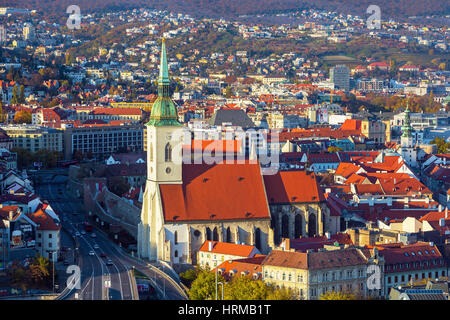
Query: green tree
[337, 295]
[442, 146]
[246, 288]
[38, 270]
[47, 157]
[118, 185]
[24, 157]
[2, 113]
[204, 286]
[188, 276]
[14, 99]
[228, 92]
[22, 94]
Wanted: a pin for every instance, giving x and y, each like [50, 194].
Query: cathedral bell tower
[407, 147]
[163, 165]
[406, 139]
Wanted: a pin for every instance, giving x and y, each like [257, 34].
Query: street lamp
[53, 273]
[217, 283]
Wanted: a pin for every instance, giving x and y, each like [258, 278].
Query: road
[94, 269]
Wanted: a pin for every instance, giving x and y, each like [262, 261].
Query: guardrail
[135, 293]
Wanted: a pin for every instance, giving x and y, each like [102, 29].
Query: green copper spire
[407, 126]
[164, 111]
[163, 78]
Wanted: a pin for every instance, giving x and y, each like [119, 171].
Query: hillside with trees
[234, 8]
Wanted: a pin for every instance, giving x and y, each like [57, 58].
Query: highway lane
[94, 268]
[116, 271]
[91, 267]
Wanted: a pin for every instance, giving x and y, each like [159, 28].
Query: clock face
[168, 170]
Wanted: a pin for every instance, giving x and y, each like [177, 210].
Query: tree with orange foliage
[22, 117]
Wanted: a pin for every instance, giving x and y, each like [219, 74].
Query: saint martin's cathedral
[186, 204]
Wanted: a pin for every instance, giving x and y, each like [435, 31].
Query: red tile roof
[315, 260]
[234, 249]
[216, 192]
[318, 242]
[248, 266]
[292, 187]
[399, 253]
[44, 221]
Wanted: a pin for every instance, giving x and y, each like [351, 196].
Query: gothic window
[168, 153]
[215, 235]
[258, 239]
[175, 237]
[285, 226]
[311, 225]
[229, 240]
[298, 226]
[208, 234]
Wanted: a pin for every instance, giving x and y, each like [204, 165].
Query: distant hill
[234, 8]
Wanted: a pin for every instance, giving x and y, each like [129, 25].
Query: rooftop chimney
[210, 246]
[11, 215]
[446, 213]
[287, 244]
[441, 222]
[431, 244]
[328, 235]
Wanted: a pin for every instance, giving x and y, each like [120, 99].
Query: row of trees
[442, 145]
[202, 285]
[18, 97]
[424, 103]
[26, 158]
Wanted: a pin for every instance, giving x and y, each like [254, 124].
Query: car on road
[103, 255]
[77, 234]
[83, 232]
[92, 253]
[93, 235]
[66, 262]
[96, 246]
[109, 262]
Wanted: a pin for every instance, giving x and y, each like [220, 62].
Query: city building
[213, 253]
[102, 140]
[313, 273]
[34, 138]
[340, 77]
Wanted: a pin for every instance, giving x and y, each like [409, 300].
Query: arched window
[175, 237]
[229, 239]
[298, 226]
[168, 153]
[258, 238]
[312, 225]
[215, 235]
[176, 254]
[208, 234]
